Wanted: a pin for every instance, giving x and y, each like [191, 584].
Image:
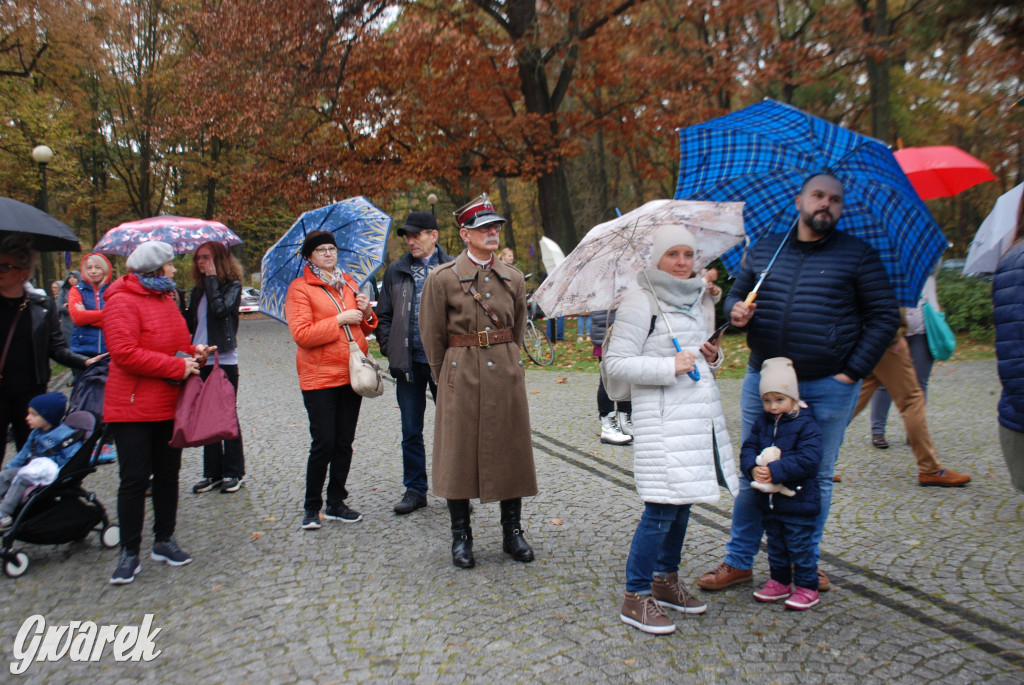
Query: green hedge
[967, 302]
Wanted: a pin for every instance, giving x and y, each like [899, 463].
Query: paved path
[927, 582]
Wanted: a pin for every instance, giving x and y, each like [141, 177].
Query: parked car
[250, 300]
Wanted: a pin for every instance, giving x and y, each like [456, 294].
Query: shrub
[967, 302]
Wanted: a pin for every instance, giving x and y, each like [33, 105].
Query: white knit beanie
[667, 237]
[778, 375]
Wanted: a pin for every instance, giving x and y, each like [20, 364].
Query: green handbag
[941, 340]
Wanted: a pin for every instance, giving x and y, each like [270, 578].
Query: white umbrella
[550, 253]
[596, 275]
[995, 234]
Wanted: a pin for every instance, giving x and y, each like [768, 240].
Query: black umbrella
[48, 234]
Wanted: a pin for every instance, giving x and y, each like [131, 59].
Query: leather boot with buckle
[513, 541]
[462, 534]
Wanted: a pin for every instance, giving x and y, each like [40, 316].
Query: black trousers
[13, 409]
[142, 451]
[225, 459]
[333, 413]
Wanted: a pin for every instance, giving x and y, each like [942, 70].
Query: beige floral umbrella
[596, 275]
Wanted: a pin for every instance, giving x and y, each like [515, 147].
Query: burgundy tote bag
[206, 411]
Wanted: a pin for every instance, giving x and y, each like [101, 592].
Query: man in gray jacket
[398, 332]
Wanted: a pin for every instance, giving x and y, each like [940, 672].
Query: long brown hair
[228, 268]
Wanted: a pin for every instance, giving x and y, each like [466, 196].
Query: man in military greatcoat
[472, 318]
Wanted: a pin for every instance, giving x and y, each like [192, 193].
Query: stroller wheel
[17, 567]
[110, 536]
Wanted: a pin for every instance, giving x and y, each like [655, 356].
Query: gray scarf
[673, 293]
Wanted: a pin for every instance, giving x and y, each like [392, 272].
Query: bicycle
[535, 340]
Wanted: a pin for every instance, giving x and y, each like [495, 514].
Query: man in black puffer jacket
[398, 333]
[827, 305]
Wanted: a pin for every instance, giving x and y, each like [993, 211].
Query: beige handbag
[363, 371]
[364, 374]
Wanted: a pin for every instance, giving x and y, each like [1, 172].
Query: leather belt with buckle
[481, 338]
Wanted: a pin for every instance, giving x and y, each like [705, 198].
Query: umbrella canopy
[48, 234]
[550, 253]
[995, 235]
[361, 231]
[942, 170]
[763, 153]
[183, 234]
[598, 272]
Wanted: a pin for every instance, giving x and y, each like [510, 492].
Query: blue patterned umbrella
[361, 231]
[762, 154]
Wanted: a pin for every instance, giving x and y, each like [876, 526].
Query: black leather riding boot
[462, 534]
[513, 541]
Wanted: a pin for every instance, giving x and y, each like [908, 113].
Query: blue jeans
[583, 325]
[560, 327]
[657, 545]
[791, 555]
[412, 401]
[833, 403]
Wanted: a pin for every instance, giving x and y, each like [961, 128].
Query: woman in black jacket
[213, 320]
[30, 331]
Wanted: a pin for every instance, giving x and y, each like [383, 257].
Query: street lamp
[432, 200]
[42, 155]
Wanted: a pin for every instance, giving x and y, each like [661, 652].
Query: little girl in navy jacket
[781, 458]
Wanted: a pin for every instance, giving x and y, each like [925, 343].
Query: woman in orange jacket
[320, 304]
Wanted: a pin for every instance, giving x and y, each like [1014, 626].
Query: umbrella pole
[695, 374]
[752, 295]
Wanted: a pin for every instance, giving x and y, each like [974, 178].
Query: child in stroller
[50, 445]
[62, 511]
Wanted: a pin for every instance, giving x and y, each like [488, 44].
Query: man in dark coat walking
[398, 310]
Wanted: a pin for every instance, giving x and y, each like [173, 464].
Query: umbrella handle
[695, 374]
[750, 298]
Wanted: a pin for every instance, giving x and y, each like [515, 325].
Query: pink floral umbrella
[183, 234]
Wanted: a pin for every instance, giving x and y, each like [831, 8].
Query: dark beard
[821, 223]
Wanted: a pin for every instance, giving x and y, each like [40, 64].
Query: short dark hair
[315, 239]
[815, 175]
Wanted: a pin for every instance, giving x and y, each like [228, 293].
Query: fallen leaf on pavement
[256, 536]
[562, 380]
[557, 522]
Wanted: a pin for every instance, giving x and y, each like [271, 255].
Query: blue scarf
[158, 284]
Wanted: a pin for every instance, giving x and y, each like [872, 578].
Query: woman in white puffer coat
[681, 449]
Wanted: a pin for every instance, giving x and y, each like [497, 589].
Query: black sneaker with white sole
[206, 484]
[169, 552]
[311, 520]
[230, 485]
[127, 568]
[342, 513]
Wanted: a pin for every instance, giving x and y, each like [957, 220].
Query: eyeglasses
[326, 250]
[6, 267]
[487, 228]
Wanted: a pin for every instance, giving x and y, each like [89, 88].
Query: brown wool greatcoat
[482, 443]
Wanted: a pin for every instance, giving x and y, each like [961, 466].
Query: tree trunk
[877, 64]
[506, 211]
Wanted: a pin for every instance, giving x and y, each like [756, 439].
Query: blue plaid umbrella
[361, 231]
[762, 154]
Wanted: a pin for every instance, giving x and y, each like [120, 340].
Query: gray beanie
[669, 236]
[149, 257]
[778, 375]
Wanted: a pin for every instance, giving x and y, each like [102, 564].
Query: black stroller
[64, 511]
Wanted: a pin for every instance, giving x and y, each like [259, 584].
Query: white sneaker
[626, 423]
[610, 433]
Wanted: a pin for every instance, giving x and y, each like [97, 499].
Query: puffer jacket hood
[81, 267]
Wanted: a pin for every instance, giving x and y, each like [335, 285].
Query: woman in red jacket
[144, 331]
[319, 304]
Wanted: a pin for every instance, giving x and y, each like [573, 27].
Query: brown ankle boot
[670, 594]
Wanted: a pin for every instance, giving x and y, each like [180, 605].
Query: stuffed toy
[767, 456]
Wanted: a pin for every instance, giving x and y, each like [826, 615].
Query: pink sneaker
[772, 591]
[802, 599]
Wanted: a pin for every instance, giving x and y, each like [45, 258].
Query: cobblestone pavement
[923, 587]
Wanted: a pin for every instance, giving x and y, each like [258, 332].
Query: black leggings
[142, 451]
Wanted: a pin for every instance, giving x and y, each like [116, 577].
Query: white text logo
[82, 641]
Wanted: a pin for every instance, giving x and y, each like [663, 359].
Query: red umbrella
[941, 170]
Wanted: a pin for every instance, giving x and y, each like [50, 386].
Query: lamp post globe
[432, 200]
[42, 154]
